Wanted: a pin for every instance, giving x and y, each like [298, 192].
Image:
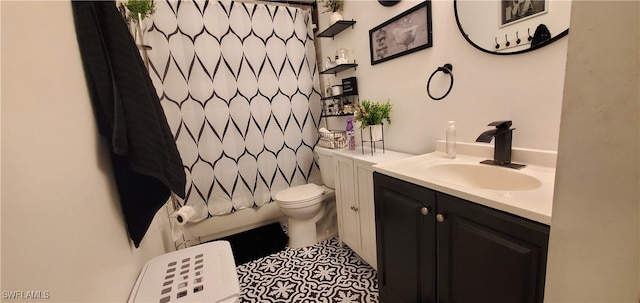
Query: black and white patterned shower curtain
[239, 86]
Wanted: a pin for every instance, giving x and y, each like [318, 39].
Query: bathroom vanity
[354, 197]
[454, 230]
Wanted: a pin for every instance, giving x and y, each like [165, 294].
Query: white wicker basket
[333, 139]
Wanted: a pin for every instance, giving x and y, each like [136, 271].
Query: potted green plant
[334, 7]
[140, 9]
[370, 116]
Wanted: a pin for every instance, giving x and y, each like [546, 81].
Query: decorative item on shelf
[334, 7]
[335, 17]
[349, 86]
[336, 90]
[327, 91]
[331, 107]
[325, 108]
[348, 109]
[328, 64]
[342, 56]
[370, 116]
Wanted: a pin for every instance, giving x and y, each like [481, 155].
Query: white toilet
[306, 205]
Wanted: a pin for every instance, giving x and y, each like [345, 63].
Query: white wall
[594, 252]
[62, 227]
[525, 88]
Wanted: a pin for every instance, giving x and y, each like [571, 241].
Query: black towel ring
[447, 69]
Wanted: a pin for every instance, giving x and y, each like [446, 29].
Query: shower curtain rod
[305, 4]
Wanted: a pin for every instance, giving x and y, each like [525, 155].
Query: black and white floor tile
[324, 272]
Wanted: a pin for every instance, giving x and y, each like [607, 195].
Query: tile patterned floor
[324, 272]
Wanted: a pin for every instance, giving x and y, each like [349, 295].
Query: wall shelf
[334, 106]
[338, 68]
[336, 28]
[336, 115]
[338, 96]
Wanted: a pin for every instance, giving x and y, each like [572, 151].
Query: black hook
[506, 39]
[517, 38]
[497, 44]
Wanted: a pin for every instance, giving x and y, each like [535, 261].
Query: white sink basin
[527, 193]
[484, 177]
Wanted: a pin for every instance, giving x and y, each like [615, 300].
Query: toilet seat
[299, 196]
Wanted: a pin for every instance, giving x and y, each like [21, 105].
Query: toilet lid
[299, 193]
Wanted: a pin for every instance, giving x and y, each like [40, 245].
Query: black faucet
[502, 147]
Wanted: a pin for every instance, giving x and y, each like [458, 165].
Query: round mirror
[388, 2]
[505, 27]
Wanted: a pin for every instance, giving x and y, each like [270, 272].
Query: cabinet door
[406, 240]
[364, 185]
[346, 203]
[485, 255]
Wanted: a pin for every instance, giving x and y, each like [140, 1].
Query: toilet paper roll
[176, 230]
[184, 214]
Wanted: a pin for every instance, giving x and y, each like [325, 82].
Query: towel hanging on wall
[541, 35]
[146, 162]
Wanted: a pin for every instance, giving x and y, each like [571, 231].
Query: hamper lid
[201, 273]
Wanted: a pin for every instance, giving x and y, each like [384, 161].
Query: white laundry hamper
[202, 273]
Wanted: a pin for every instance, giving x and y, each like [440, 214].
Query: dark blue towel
[146, 162]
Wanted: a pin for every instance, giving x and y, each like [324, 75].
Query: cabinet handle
[424, 211]
[440, 218]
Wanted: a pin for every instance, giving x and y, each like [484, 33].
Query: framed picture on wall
[512, 11]
[405, 33]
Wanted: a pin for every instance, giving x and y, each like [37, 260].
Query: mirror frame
[466, 37]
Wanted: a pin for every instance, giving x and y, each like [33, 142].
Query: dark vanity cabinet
[406, 240]
[433, 247]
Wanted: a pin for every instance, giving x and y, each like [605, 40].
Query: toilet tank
[325, 162]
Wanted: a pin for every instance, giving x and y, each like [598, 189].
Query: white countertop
[379, 156]
[533, 204]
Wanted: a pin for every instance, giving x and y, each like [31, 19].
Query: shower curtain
[239, 86]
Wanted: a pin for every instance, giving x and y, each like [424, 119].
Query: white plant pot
[335, 17]
[372, 133]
